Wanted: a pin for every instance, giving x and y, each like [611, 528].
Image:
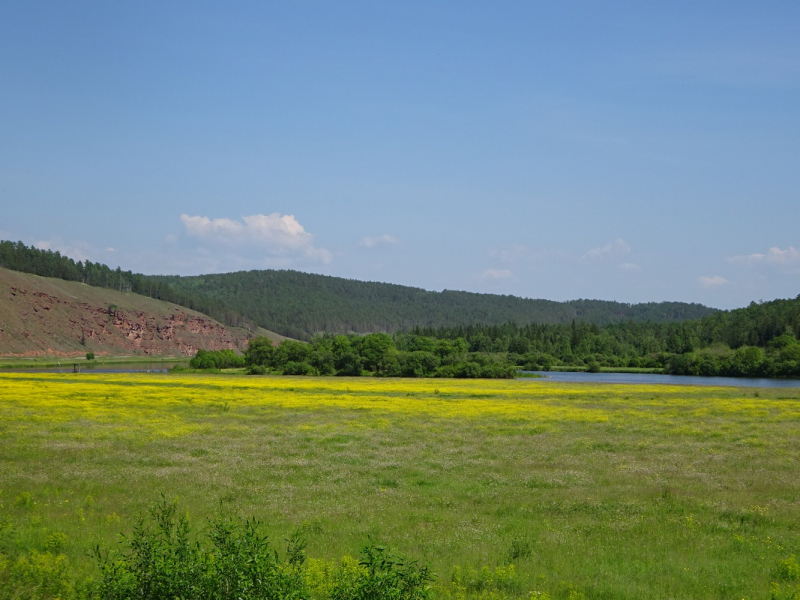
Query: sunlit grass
[614, 491]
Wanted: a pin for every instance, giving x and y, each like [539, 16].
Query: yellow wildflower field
[159, 404]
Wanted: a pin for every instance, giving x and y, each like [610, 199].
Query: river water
[159, 366]
[156, 366]
[645, 378]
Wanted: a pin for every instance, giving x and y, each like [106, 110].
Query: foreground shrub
[160, 560]
[234, 560]
[377, 575]
[36, 575]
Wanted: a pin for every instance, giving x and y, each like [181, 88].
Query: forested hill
[46, 263]
[300, 304]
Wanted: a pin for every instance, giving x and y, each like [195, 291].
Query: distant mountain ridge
[299, 304]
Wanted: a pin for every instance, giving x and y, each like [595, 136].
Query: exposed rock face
[69, 318]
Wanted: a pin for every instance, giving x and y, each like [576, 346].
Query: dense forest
[758, 341]
[300, 305]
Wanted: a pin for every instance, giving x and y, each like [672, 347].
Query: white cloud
[75, 250]
[519, 253]
[496, 274]
[110, 249]
[282, 231]
[615, 249]
[774, 256]
[711, 282]
[281, 235]
[318, 254]
[379, 240]
[630, 267]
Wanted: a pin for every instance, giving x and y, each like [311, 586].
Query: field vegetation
[502, 488]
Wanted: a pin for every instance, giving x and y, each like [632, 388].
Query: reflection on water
[668, 379]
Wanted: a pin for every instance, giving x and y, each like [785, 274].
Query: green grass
[595, 491]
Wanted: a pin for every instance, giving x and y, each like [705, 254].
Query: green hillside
[45, 316]
[46, 263]
[301, 304]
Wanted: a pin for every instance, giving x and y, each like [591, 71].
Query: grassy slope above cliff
[45, 316]
[299, 304]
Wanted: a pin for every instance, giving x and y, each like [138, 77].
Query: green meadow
[504, 488]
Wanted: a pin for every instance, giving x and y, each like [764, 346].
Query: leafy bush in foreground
[162, 559]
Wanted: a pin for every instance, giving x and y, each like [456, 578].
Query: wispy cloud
[714, 281]
[496, 274]
[610, 251]
[774, 256]
[279, 235]
[630, 267]
[379, 240]
[75, 250]
[519, 253]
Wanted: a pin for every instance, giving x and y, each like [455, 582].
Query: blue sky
[617, 150]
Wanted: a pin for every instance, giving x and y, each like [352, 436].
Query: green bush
[234, 560]
[298, 368]
[161, 560]
[216, 359]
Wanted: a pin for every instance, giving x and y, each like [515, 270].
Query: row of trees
[409, 355]
[781, 358]
[766, 333]
[377, 354]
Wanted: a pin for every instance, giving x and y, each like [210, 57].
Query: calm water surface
[643, 378]
[157, 366]
[668, 379]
